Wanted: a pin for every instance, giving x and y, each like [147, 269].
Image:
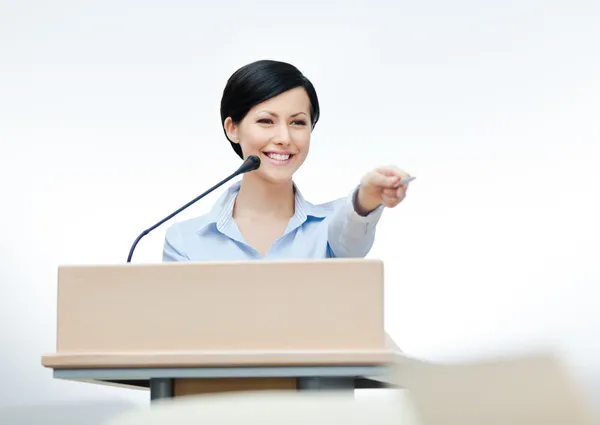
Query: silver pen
[405, 181]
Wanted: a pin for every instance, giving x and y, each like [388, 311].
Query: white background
[109, 120]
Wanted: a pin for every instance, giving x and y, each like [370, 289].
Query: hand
[380, 187]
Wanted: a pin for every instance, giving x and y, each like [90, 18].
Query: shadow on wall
[84, 413]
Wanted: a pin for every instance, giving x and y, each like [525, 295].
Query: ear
[231, 129]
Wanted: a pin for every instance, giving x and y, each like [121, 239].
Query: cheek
[302, 140]
[253, 139]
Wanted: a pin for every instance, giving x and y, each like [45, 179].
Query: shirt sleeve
[172, 248]
[351, 235]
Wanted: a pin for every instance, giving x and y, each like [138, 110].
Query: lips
[279, 158]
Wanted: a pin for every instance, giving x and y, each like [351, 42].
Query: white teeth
[278, 156]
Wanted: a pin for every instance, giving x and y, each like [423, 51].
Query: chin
[278, 172]
[277, 177]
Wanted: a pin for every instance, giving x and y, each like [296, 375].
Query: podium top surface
[335, 263]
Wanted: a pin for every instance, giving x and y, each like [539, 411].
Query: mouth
[279, 158]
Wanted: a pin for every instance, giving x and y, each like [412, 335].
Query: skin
[266, 199]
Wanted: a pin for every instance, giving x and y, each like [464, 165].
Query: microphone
[250, 164]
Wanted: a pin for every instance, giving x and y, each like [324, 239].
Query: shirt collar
[221, 213]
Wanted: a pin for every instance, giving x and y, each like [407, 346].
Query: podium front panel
[221, 307]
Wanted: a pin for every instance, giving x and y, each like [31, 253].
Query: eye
[299, 122]
[265, 121]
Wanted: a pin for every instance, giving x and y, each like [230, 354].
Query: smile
[279, 158]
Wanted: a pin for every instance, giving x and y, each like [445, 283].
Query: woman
[269, 109]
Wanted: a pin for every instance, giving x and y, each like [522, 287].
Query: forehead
[289, 102]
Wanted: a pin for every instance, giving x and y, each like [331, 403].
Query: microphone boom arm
[252, 163]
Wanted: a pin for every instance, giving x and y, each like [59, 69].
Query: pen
[405, 181]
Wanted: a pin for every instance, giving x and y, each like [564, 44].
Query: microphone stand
[250, 164]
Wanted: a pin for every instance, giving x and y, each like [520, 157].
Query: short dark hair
[257, 82]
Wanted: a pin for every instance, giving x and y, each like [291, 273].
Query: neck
[259, 198]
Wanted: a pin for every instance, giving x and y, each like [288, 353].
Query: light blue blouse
[330, 230]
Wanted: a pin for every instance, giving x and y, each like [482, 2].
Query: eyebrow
[292, 116]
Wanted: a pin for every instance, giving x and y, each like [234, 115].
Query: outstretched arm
[351, 231]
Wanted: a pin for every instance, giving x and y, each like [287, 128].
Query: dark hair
[257, 82]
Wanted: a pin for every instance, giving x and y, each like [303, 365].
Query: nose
[282, 135]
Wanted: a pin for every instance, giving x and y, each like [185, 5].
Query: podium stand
[204, 327]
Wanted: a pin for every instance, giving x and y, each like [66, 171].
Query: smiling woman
[278, 132]
[269, 109]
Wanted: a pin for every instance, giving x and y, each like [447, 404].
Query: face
[278, 132]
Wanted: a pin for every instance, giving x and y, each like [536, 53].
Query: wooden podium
[190, 328]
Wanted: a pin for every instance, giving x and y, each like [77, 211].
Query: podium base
[179, 381]
[161, 388]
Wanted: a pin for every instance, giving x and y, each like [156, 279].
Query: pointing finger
[384, 181]
[391, 170]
